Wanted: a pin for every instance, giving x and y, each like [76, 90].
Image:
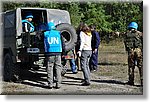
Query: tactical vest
[133, 40]
[52, 41]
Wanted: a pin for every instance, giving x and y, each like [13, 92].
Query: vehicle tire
[11, 70]
[69, 34]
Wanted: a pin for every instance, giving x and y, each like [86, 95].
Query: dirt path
[36, 83]
[109, 79]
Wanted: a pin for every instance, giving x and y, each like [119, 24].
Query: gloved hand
[79, 53]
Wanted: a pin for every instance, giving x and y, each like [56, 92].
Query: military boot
[130, 83]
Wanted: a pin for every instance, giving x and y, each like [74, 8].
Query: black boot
[130, 83]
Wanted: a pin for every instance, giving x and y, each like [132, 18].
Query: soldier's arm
[140, 33]
[125, 37]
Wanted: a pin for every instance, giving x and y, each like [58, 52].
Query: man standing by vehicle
[95, 44]
[53, 48]
[134, 45]
[26, 24]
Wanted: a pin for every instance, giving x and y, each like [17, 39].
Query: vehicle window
[39, 18]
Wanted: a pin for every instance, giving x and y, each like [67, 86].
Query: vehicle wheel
[69, 34]
[11, 70]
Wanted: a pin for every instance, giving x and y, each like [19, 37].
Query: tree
[124, 13]
[75, 13]
[108, 17]
[95, 14]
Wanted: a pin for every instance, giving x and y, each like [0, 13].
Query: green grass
[113, 61]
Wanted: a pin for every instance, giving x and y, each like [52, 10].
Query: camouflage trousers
[135, 58]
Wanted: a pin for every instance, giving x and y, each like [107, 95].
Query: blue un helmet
[50, 26]
[29, 15]
[133, 25]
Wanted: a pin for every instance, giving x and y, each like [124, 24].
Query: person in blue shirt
[26, 23]
[95, 44]
[54, 46]
[41, 25]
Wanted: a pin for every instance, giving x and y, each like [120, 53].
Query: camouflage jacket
[133, 39]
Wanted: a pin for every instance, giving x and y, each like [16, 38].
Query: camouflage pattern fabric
[135, 59]
[134, 45]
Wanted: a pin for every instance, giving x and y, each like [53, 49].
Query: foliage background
[107, 16]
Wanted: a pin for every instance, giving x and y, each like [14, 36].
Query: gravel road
[35, 83]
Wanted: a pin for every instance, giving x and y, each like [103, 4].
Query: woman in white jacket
[85, 52]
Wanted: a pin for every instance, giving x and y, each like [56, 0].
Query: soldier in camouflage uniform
[134, 45]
